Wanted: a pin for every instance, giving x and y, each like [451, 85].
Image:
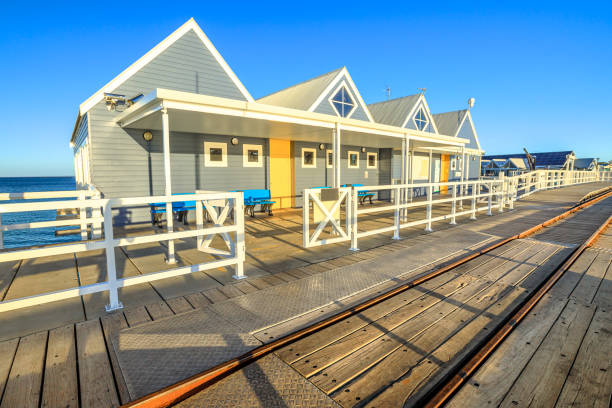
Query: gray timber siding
[322, 176]
[474, 170]
[466, 133]
[120, 162]
[81, 134]
[326, 108]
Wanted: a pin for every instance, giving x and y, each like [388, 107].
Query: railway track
[446, 382]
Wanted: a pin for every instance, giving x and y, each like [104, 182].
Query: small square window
[353, 160]
[309, 157]
[372, 160]
[215, 154]
[252, 155]
[330, 159]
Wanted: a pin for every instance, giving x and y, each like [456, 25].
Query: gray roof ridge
[302, 83]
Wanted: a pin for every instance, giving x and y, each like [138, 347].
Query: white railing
[217, 205]
[94, 226]
[495, 192]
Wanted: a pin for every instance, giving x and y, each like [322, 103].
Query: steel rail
[175, 393]
[479, 357]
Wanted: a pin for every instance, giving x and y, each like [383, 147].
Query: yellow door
[281, 173]
[444, 172]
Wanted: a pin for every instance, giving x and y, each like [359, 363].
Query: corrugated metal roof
[448, 123]
[394, 111]
[302, 95]
[542, 159]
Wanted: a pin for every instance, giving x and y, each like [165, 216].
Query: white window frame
[421, 109]
[348, 159]
[215, 145]
[245, 155]
[327, 165]
[314, 158]
[350, 94]
[368, 154]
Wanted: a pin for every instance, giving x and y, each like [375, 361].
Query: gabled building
[585, 164]
[179, 119]
[548, 160]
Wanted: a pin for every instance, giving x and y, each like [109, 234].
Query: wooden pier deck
[60, 354]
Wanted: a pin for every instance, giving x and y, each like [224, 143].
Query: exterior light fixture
[147, 136]
[321, 146]
[234, 141]
[363, 150]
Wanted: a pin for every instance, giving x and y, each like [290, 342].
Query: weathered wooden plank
[111, 325]
[230, 291]
[297, 273]
[564, 287]
[603, 297]
[96, 377]
[320, 339]
[540, 382]
[159, 310]
[179, 305]
[342, 371]
[7, 354]
[587, 287]
[245, 287]
[273, 280]
[214, 295]
[136, 315]
[8, 270]
[197, 300]
[25, 379]
[590, 380]
[433, 352]
[285, 276]
[60, 386]
[493, 380]
[259, 283]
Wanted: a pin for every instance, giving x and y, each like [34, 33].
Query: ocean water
[38, 236]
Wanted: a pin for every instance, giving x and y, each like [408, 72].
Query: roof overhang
[196, 113]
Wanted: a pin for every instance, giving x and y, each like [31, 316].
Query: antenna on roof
[471, 102]
[388, 92]
[422, 90]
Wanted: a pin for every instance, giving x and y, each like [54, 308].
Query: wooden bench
[180, 208]
[363, 195]
[257, 197]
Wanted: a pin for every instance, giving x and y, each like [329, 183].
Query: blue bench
[257, 197]
[363, 195]
[181, 208]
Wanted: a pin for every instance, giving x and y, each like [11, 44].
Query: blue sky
[541, 73]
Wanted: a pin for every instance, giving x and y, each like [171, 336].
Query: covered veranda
[170, 111]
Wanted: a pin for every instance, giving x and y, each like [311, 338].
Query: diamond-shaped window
[342, 102]
[420, 119]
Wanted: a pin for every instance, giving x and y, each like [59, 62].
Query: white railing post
[475, 191]
[306, 219]
[83, 216]
[396, 233]
[96, 213]
[111, 268]
[502, 191]
[1, 234]
[454, 205]
[239, 248]
[200, 222]
[512, 193]
[490, 198]
[429, 207]
[353, 202]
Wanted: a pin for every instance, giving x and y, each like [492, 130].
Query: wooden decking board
[589, 382]
[516, 253]
[159, 310]
[286, 277]
[215, 295]
[493, 380]
[259, 283]
[245, 287]
[564, 287]
[7, 354]
[179, 305]
[361, 360]
[541, 381]
[25, 378]
[302, 348]
[273, 280]
[197, 300]
[8, 270]
[603, 297]
[97, 384]
[111, 325]
[136, 315]
[404, 376]
[60, 385]
[591, 280]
